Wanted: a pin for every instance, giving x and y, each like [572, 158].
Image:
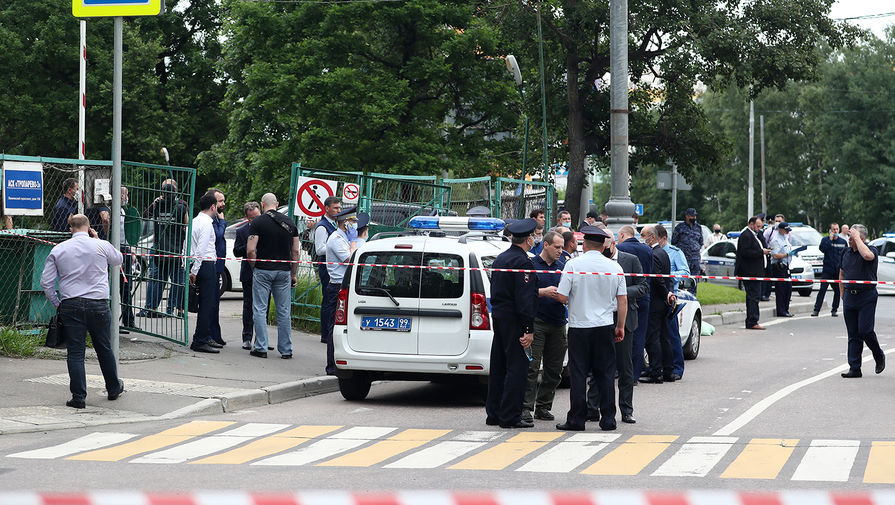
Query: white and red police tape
[484, 269]
[607, 497]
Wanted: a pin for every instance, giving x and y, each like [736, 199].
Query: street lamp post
[513, 68]
[619, 207]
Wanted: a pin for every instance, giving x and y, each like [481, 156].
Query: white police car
[885, 270]
[414, 307]
[720, 258]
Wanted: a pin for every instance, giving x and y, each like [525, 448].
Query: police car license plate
[385, 323]
[818, 270]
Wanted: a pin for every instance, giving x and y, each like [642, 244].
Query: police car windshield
[805, 236]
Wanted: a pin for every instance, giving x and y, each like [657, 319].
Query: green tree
[412, 87]
[674, 45]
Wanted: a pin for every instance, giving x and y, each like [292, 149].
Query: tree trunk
[577, 172]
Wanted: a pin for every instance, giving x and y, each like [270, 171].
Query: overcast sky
[852, 8]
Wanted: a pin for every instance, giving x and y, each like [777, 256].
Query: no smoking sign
[311, 194]
[350, 192]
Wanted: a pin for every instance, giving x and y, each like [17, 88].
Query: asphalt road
[769, 410]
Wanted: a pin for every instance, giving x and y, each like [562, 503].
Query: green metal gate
[470, 192]
[391, 201]
[515, 198]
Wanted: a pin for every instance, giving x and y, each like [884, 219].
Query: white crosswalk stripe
[828, 461]
[330, 446]
[696, 458]
[568, 455]
[86, 443]
[209, 445]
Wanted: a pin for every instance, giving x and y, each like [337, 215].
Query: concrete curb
[765, 314]
[269, 395]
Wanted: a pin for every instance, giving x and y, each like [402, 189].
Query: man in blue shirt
[832, 247]
[781, 254]
[66, 206]
[549, 332]
[859, 263]
[688, 237]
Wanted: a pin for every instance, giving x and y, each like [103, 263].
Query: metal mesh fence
[517, 198]
[469, 193]
[27, 241]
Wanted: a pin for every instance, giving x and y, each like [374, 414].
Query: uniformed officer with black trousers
[859, 263]
[513, 297]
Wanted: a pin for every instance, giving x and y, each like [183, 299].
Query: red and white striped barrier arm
[799, 497]
[482, 269]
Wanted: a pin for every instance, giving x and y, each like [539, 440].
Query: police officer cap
[522, 227]
[346, 214]
[363, 220]
[691, 211]
[783, 225]
[479, 211]
[594, 234]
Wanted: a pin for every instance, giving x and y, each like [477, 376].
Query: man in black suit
[751, 262]
[627, 242]
[658, 339]
[638, 287]
[251, 211]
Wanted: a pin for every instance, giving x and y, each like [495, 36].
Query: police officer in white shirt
[593, 331]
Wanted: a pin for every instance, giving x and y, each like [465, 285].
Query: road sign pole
[115, 229]
[82, 109]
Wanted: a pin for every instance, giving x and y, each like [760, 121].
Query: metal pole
[115, 218]
[673, 195]
[620, 208]
[82, 109]
[764, 194]
[750, 206]
[543, 92]
[520, 209]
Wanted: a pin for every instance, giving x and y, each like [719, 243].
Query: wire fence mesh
[469, 193]
[517, 198]
[82, 186]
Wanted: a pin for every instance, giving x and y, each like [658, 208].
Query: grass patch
[23, 343]
[713, 294]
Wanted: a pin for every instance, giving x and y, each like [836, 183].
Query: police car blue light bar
[450, 223]
[889, 234]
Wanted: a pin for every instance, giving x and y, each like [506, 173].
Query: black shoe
[491, 422]
[519, 424]
[851, 374]
[215, 345]
[628, 418]
[593, 416]
[608, 427]
[526, 416]
[76, 404]
[676, 376]
[569, 427]
[204, 348]
[785, 314]
[880, 364]
[765, 298]
[651, 380]
[669, 378]
[269, 348]
[258, 354]
[247, 345]
[815, 313]
[834, 314]
[544, 415]
[122, 331]
[114, 396]
[323, 341]
[286, 356]
[220, 342]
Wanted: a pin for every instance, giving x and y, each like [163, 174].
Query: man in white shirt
[593, 332]
[202, 272]
[341, 245]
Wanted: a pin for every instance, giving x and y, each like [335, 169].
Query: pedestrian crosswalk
[600, 454]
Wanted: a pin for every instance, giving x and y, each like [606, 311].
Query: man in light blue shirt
[678, 267]
[339, 247]
[81, 264]
[781, 252]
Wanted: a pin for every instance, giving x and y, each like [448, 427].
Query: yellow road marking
[385, 449]
[505, 454]
[150, 443]
[632, 456]
[880, 469]
[763, 458]
[267, 446]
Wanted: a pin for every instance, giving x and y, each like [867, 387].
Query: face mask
[352, 226]
[567, 224]
[607, 253]
[717, 231]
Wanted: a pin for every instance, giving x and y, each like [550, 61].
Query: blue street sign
[638, 209]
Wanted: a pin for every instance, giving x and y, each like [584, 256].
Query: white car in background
[720, 258]
[886, 265]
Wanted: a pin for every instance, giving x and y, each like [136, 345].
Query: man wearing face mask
[513, 297]
[340, 245]
[688, 237]
[715, 237]
[564, 219]
[66, 206]
[363, 228]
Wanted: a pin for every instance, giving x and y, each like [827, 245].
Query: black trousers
[592, 351]
[783, 289]
[323, 273]
[625, 367]
[209, 294]
[127, 310]
[860, 318]
[658, 343]
[248, 321]
[818, 303]
[508, 374]
[753, 293]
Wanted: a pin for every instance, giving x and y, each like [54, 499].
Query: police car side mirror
[731, 255]
[890, 254]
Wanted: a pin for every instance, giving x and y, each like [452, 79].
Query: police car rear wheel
[691, 348]
[805, 292]
[356, 387]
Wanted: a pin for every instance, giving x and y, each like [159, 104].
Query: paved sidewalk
[163, 380]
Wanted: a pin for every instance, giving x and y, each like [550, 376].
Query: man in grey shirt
[81, 264]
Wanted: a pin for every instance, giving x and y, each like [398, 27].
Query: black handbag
[55, 333]
[193, 305]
